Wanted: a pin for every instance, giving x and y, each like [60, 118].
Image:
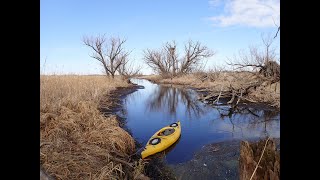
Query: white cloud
[254, 13]
[214, 3]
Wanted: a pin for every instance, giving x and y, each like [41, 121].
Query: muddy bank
[116, 97]
[213, 161]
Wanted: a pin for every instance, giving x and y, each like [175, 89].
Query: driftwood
[259, 160]
[232, 93]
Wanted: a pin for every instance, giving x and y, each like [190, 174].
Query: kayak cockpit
[166, 132]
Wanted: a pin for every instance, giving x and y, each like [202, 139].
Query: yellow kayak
[162, 139]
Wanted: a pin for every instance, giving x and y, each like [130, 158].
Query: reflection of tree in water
[253, 117]
[192, 105]
[168, 98]
[267, 117]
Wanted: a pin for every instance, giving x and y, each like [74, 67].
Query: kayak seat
[166, 132]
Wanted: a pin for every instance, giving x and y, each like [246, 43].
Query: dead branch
[239, 97]
[157, 61]
[128, 70]
[217, 100]
[277, 32]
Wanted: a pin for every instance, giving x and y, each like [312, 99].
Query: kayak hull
[158, 142]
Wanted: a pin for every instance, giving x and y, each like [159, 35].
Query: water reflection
[250, 118]
[169, 98]
[147, 110]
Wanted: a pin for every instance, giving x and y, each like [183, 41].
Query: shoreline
[203, 92]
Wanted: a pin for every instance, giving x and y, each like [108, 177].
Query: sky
[225, 26]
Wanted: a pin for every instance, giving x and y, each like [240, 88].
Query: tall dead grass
[76, 140]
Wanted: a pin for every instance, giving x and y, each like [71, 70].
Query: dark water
[149, 109]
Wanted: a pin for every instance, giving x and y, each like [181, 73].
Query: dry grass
[77, 141]
[60, 90]
[196, 80]
[181, 80]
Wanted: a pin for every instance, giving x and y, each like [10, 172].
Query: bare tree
[109, 52]
[172, 56]
[262, 61]
[167, 62]
[194, 54]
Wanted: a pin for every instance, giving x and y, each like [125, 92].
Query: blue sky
[226, 26]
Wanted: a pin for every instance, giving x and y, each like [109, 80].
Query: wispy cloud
[253, 13]
[214, 3]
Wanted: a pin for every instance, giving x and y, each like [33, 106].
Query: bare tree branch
[128, 70]
[278, 27]
[277, 32]
[158, 61]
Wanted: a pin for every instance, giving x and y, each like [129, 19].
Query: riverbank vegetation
[76, 140]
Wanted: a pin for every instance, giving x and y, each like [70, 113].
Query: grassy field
[76, 140]
[222, 81]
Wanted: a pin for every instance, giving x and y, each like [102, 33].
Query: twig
[260, 158]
